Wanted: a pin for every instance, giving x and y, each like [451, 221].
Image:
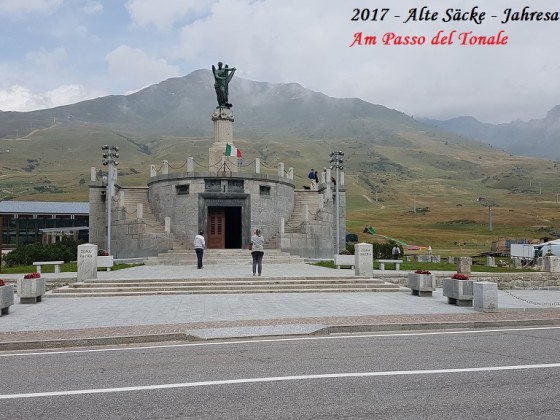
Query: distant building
[26, 222]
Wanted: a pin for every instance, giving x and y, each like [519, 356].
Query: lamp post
[109, 159]
[336, 162]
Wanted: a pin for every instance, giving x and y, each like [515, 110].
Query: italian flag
[231, 150]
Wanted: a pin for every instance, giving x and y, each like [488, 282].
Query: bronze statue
[222, 77]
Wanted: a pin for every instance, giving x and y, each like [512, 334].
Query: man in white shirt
[199, 245]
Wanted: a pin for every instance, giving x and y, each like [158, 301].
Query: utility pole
[414, 195]
[109, 159]
[336, 162]
[490, 218]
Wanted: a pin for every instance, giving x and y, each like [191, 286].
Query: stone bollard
[551, 264]
[485, 296]
[516, 262]
[87, 262]
[450, 260]
[490, 261]
[464, 265]
[364, 259]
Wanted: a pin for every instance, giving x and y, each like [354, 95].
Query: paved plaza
[66, 321]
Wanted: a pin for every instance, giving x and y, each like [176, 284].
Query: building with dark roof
[25, 222]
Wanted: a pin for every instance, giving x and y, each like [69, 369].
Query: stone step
[184, 283]
[120, 289]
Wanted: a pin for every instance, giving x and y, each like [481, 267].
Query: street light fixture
[110, 157]
[336, 162]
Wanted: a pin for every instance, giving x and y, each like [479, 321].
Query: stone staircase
[219, 256]
[99, 288]
[135, 196]
[302, 198]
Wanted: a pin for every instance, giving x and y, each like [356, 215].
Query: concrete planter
[421, 284]
[31, 290]
[340, 259]
[6, 299]
[105, 261]
[458, 292]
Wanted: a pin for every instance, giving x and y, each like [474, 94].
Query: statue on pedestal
[222, 77]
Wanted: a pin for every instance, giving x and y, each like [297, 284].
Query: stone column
[551, 264]
[464, 265]
[190, 164]
[93, 174]
[153, 171]
[87, 262]
[139, 211]
[223, 135]
[364, 259]
[291, 173]
[165, 167]
[485, 296]
[281, 169]
[257, 165]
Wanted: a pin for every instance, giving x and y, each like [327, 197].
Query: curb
[334, 329]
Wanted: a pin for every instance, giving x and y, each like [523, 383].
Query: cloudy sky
[55, 52]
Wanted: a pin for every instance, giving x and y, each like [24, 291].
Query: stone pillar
[121, 198]
[291, 173]
[281, 169]
[165, 167]
[464, 265]
[490, 261]
[282, 226]
[516, 263]
[190, 164]
[223, 135]
[551, 264]
[364, 259]
[87, 262]
[485, 296]
[167, 222]
[257, 165]
[93, 174]
[139, 211]
[153, 171]
[341, 176]
[450, 260]
[306, 211]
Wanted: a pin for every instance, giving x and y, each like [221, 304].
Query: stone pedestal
[223, 135]
[464, 265]
[485, 296]
[551, 264]
[364, 259]
[490, 261]
[87, 262]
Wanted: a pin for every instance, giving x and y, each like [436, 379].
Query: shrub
[66, 250]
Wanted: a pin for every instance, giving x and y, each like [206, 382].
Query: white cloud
[133, 68]
[163, 14]
[92, 7]
[18, 7]
[47, 60]
[21, 98]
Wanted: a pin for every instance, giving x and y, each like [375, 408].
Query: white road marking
[275, 340]
[275, 379]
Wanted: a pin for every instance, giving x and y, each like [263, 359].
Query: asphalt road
[497, 374]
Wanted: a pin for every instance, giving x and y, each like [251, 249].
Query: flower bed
[422, 283]
[31, 288]
[458, 290]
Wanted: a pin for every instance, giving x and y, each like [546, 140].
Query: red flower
[459, 276]
[422, 272]
[2, 282]
[32, 276]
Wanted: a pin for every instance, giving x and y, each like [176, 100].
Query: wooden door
[216, 227]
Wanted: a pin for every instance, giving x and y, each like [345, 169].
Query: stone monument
[87, 262]
[364, 259]
[223, 119]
